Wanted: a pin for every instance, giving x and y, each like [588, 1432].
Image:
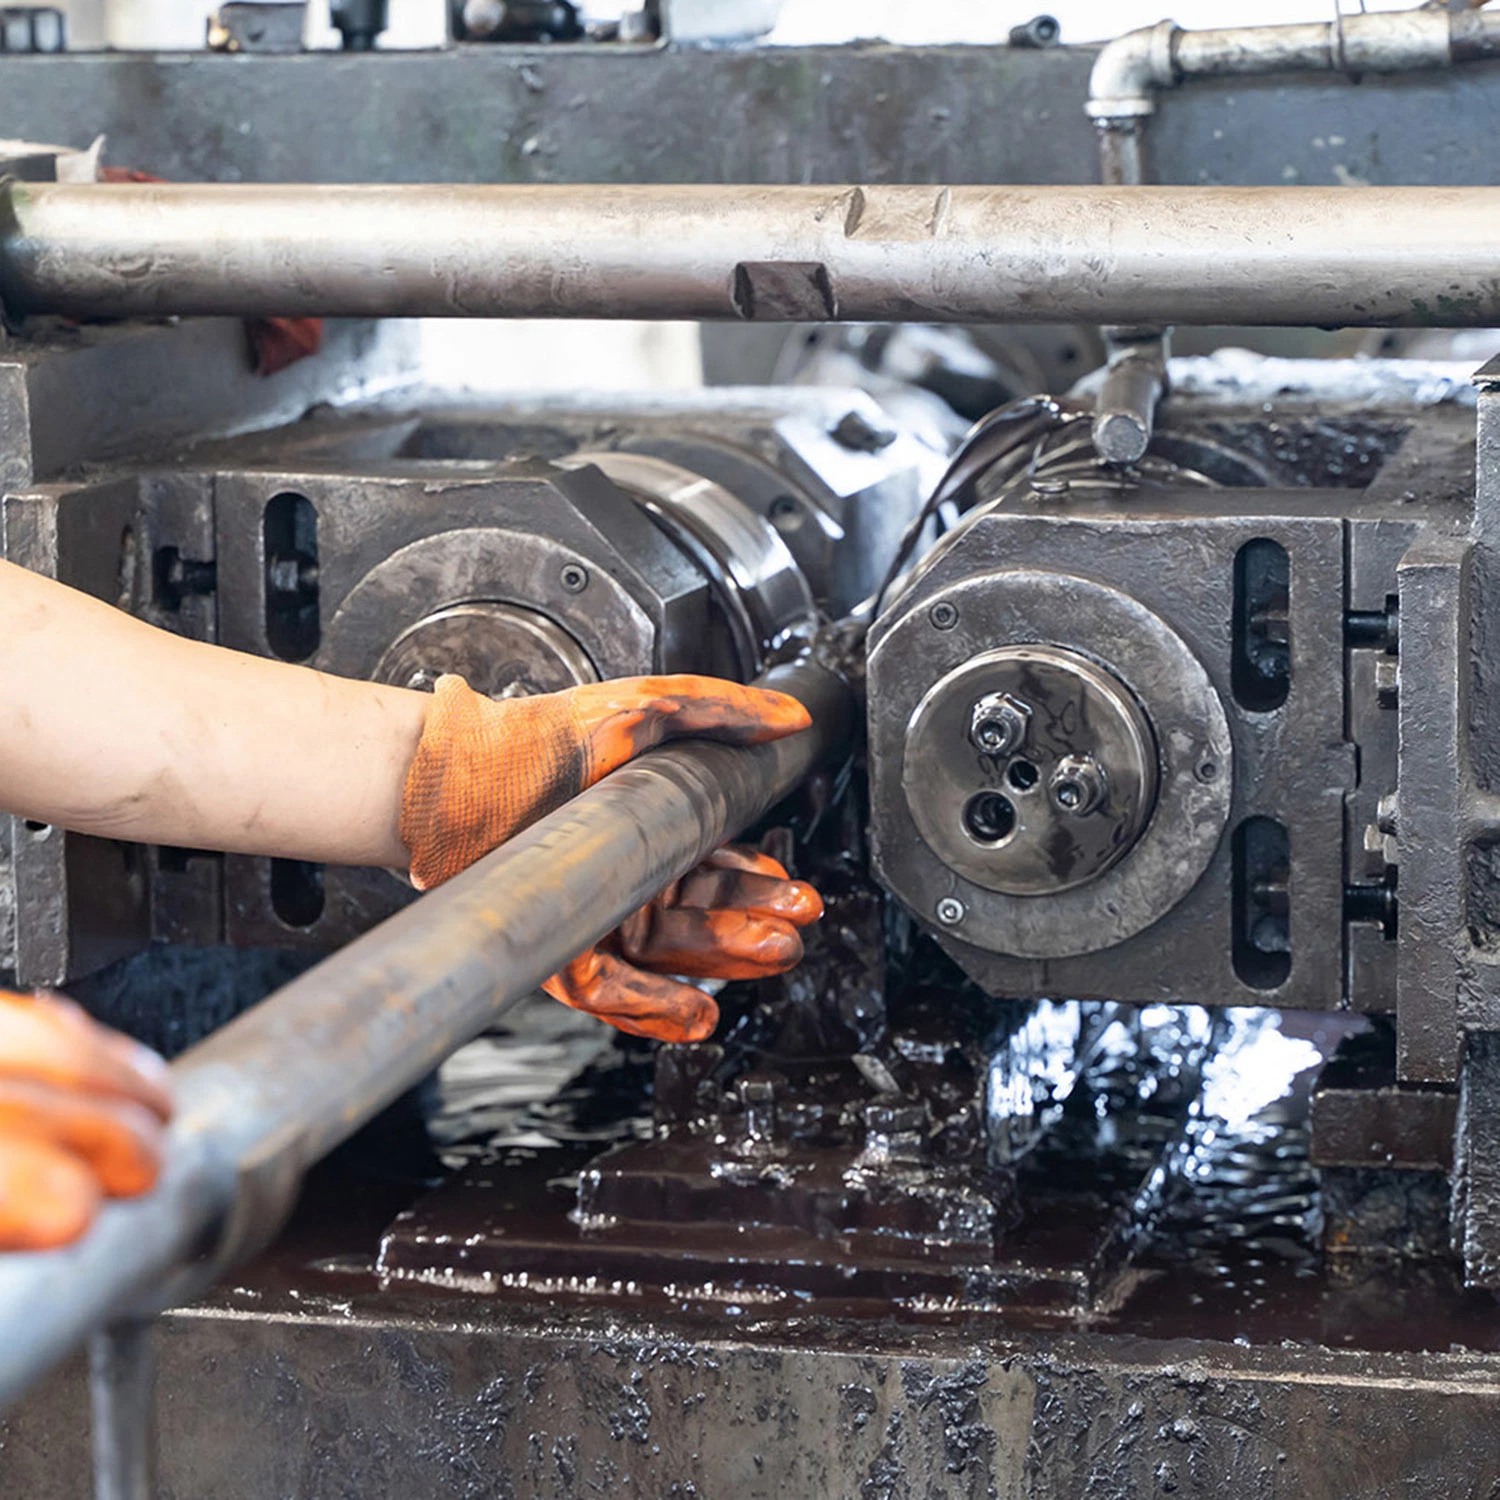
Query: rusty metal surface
[1362, 1117]
[304, 1379]
[1168, 538]
[784, 114]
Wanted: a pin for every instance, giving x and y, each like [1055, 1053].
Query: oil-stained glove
[82, 1111]
[734, 917]
[484, 770]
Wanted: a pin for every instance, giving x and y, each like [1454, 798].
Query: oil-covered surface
[1166, 1197]
[1223, 1354]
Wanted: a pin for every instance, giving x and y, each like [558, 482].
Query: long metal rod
[1143, 255]
[122, 1397]
[268, 1095]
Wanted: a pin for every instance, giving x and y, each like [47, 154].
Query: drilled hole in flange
[989, 818]
[1022, 775]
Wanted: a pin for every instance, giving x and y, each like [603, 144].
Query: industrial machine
[1153, 759]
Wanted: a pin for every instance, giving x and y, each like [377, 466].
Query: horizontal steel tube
[276, 1089]
[1142, 255]
[1131, 69]
[1384, 42]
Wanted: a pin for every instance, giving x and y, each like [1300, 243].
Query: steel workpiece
[264, 1098]
[1133, 255]
[1125, 412]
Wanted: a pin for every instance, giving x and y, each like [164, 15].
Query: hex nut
[998, 723]
[1077, 786]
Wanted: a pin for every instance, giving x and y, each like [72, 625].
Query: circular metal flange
[486, 566]
[1137, 651]
[1052, 803]
[500, 650]
[763, 593]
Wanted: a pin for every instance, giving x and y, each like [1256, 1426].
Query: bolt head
[575, 579]
[1077, 786]
[950, 911]
[857, 433]
[1378, 851]
[943, 615]
[1388, 681]
[1387, 812]
[998, 723]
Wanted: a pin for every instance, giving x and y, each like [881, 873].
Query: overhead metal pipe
[264, 1098]
[1132, 69]
[1140, 256]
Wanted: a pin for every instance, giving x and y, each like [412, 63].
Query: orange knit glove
[735, 917]
[81, 1116]
[484, 770]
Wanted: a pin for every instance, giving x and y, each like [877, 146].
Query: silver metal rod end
[1121, 437]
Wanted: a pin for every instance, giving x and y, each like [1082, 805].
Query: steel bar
[1125, 412]
[1143, 255]
[275, 1090]
[122, 1395]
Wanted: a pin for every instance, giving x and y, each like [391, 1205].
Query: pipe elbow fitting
[1129, 70]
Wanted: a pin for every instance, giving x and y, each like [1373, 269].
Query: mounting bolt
[998, 723]
[575, 579]
[1387, 681]
[1378, 850]
[943, 615]
[1387, 813]
[858, 434]
[1372, 903]
[1077, 785]
[950, 911]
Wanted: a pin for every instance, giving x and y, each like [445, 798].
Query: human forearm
[119, 729]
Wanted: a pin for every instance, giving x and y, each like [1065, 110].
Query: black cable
[975, 454]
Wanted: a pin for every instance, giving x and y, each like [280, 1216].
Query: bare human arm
[116, 728]
[112, 727]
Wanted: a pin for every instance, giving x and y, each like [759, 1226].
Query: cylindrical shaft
[1143, 255]
[1382, 42]
[122, 1399]
[265, 1097]
[1125, 413]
